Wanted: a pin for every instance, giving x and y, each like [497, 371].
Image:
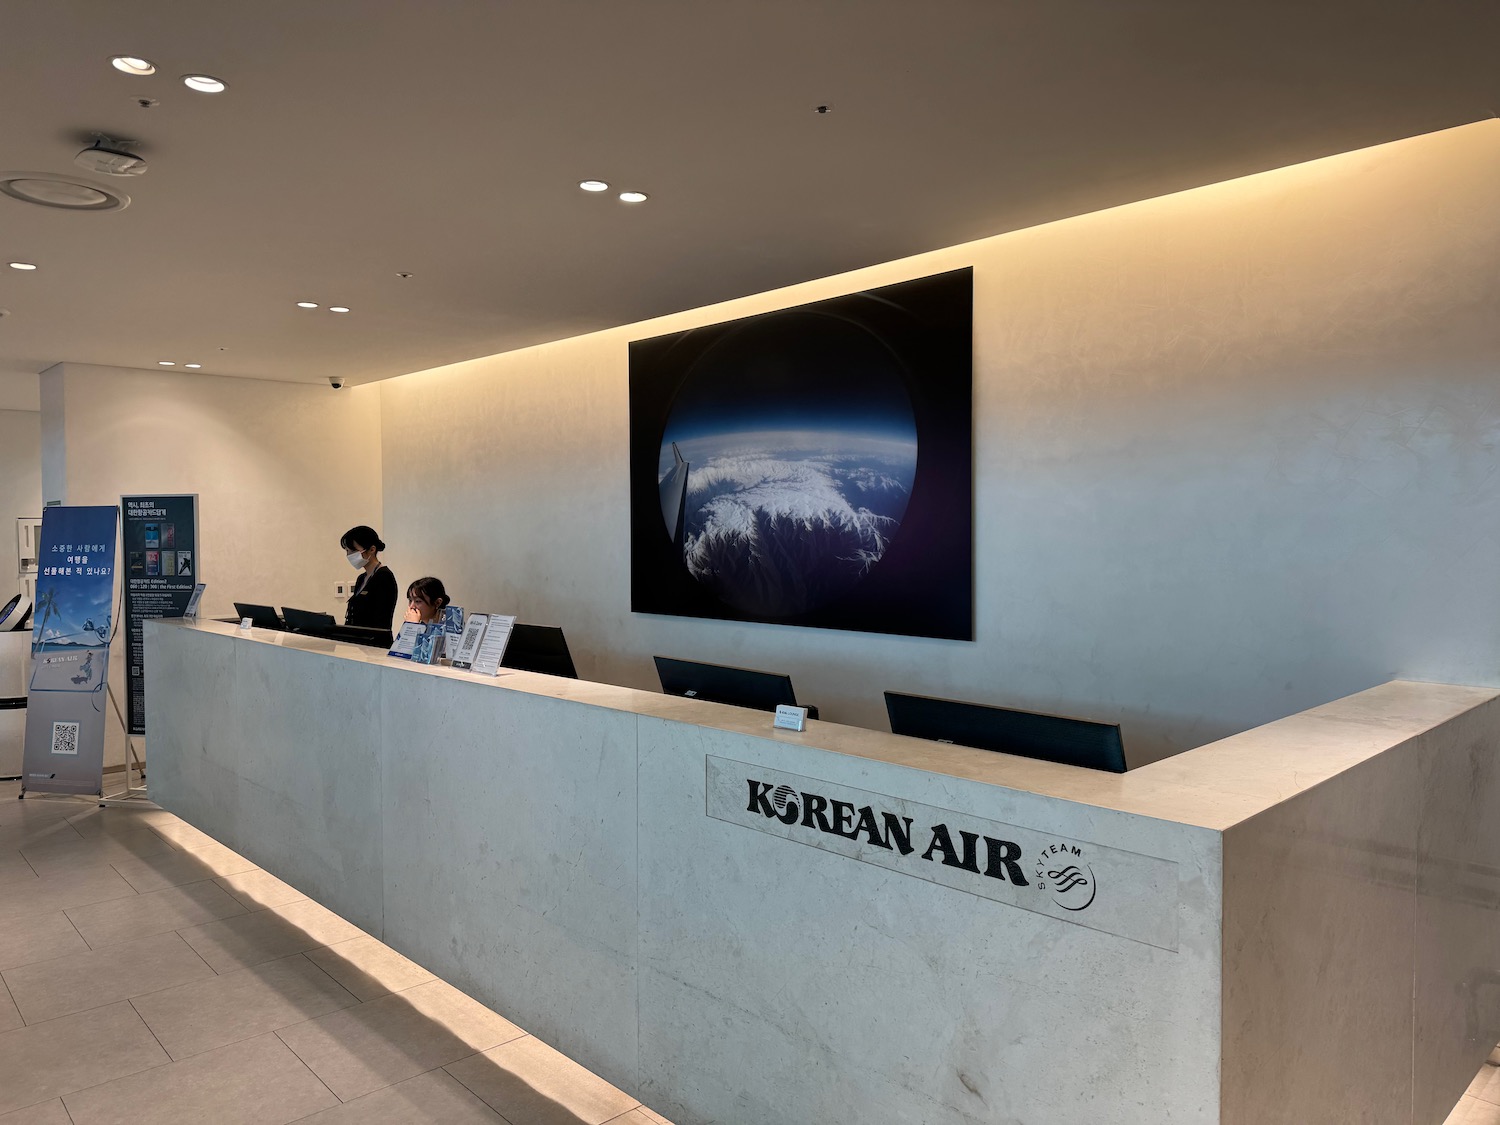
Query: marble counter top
[1215, 786]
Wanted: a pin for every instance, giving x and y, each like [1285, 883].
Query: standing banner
[160, 537]
[66, 699]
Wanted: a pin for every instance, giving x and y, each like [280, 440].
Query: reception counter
[737, 924]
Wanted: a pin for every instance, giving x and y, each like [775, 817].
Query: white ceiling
[362, 138]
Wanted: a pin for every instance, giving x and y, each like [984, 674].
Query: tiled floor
[150, 974]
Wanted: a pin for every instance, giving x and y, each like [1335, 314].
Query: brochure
[468, 647]
[192, 606]
[405, 640]
[429, 644]
[492, 647]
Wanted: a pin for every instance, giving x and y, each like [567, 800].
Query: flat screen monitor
[306, 620]
[261, 616]
[315, 624]
[1052, 738]
[539, 648]
[719, 683]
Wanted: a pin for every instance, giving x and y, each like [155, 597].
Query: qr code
[65, 738]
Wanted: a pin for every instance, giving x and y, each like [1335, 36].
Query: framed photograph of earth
[812, 466]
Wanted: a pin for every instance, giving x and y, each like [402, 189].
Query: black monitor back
[306, 620]
[719, 683]
[1052, 738]
[314, 624]
[539, 648]
[261, 616]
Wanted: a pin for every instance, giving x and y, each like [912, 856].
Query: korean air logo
[1063, 871]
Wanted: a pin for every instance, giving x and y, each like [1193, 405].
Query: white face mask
[356, 560]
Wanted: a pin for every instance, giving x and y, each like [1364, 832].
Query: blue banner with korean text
[66, 699]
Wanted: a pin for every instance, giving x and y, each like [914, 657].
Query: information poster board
[161, 568]
[66, 700]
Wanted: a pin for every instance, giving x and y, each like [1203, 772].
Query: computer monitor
[719, 683]
[261, 616]
[306, 620]
[538, 648]
[311, 623]
[1052, 738]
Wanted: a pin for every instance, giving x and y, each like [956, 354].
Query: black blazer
[373, 603]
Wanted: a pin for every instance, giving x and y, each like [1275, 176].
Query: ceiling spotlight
[307, 304]
[204, 83]
[23, 265]
[132, 65]
[193, 365]
[165, 363]
[593, 185]
[632, 197]
[338, 308]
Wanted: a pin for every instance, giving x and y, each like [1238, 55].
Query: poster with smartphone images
[160, 535]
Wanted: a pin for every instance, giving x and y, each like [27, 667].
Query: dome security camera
[335, 381]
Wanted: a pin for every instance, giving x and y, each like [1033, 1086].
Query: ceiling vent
[109, 158]
[48, 190]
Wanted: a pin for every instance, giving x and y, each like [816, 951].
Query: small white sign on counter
[789, 717]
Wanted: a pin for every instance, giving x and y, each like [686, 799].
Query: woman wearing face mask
[373, 603]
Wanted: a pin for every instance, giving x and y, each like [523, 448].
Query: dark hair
[431, 589]
[358, 538]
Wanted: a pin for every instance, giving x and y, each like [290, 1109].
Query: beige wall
[1237, 453]
[20, 486]
[281, 471]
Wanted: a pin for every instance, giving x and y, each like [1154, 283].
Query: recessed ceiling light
[132, 65]
[593, 185]
[166, 363]
[204, 83]
[632, 197]
[307, 304]
[338, 308]
[23, 265]
[50, 190]
[193, 365]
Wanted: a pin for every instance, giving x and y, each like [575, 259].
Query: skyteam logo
[1063, 871]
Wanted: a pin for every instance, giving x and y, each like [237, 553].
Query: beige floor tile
[106, 923]
[14, 868]
[94, 821]
[257, 1082]
[526, 1080]
[639, 1116]
[647, 1115]
[258, 889]
[44, 1113]
[175, 867]
[205, 1015]
[434, 1098]
[38, 832]
[49, 1059]
[37, 937]
[63, 892]
[45, 990]
[41, 806]
[396, 1037]
[10, 1015]
[59, 856]
[1486, 1084]
[265, 935]
[369, 968]
[1475, 1111]
[184, 835]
